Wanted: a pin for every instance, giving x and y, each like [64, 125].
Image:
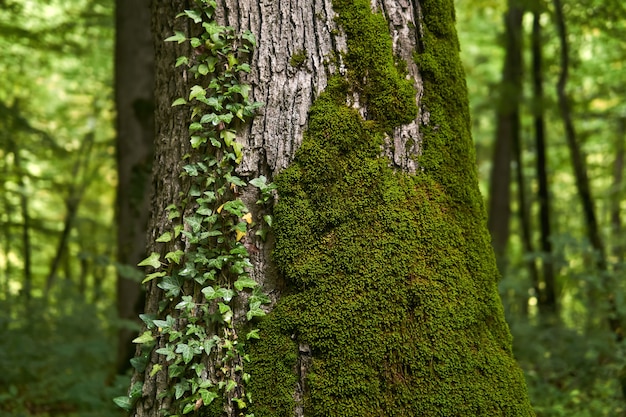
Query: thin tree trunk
[580, 173]
[617, 195]
[24, 211]
[134, 96]
[547, 295]
[79, 181]
[507, 132]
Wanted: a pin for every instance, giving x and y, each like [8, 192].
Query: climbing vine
[208, 272]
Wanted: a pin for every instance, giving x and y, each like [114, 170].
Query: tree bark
[507, 133]
[547, 294]
[381, 276]
[134, 87]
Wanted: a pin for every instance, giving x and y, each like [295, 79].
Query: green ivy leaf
[179, 101]
[245, 282]
[253, 334]
[175, 256]
[152, 260]
[182, 60]
[152, 276]
[123, 402]
[186, 351]
[155, 368]
[180, 388]
[165, 237]
[194, 15]
[145, 337]
[208, 396]
[177, 37]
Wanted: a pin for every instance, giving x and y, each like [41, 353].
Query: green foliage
[56, 362]
[213, 226]
[571, 361]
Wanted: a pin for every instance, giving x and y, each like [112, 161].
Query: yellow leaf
[247, 218]
[239, 235]
[219, 209]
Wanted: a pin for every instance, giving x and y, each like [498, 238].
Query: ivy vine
[204, 351]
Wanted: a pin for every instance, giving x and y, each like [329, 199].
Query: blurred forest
[546, 80]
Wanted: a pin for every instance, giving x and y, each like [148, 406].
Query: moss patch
[392, 281]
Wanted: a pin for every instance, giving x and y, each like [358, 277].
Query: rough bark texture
[134, 86]
[382, 277]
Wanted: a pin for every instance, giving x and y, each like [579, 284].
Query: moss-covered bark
[392, 307]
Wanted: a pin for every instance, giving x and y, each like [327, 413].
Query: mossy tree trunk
[379, 265]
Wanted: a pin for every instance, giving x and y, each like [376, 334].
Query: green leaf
[224, 308]
[208, 396]
[189, 407]
[197, 141]
[152, 276]
[195, 222]
[139, 363]
[231, 385]
[123, 402]
[186, 351]
[177, 37]
[197, 91]
[182, 60]
[194, 15]
[253, 334]
[180, 388]
[175, 256]
[245, 282]
[203, 69]
[209, 293]
[152, 260]
[209, 344]
[259, 182]
[165, 237]
[145, 337]
[155, 368]
[228, 136]
[179, 101]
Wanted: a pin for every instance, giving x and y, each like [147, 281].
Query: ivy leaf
[197, 141]
[180, 388]
[209, 344]
[245, 282]
[253, 334]
[194, 15]
[123, 402]
[231, 385]
[152, 260]
[155, 368]
[152, 276]
[209, 293]
[208, 396]
[177, 37]
[171, 286]
[229, 136]
[165, 237]
[225, 293]
[186, 351]
[195, 222]
[174, 256]
[179, 101]
[145, 337]
[181, 60]
[197, 91]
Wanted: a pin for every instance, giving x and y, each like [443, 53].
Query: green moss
[392, 282]
[298, 59]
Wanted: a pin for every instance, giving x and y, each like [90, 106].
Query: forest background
[546, 81]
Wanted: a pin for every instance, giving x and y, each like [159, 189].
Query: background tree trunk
[134, 86]
[382, 278]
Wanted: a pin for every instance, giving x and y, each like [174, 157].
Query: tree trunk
[507, 133]
[134, 85]
[547, 293]
[381, 277]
